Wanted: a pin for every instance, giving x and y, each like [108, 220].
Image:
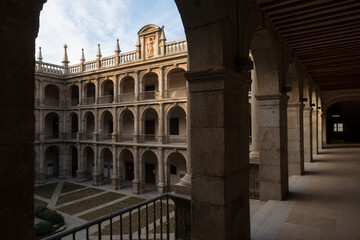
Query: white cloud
[85, 23]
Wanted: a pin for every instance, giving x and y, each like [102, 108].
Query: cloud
[85, 23]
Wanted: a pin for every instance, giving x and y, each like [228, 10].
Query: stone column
[319, 133]
[136, 124]
[161, 83]
[255, 148]
[324, 133]
[273, 169]
[295, 139]
[219, 133]
[40, 176]
[315, 132]
[161, 125]
[307, 134]
[137, 85]
[97, 86]
[97, 175]
[161, 183]
[115, 89]
[80, 93]
[136, 181]
[115, 177]
[81, 175]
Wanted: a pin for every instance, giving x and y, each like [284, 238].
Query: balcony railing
[175, 139]
[72, 102]
[49, 136]
[88, 101]
[86, 136]
[104, 136]
[106, 99]
[148, 95]
[148, 138]
[52, 102]
[164, 217]
[125, 138]
[126, 97]
[175, 93]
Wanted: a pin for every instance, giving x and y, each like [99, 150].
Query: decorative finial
[65, 59]
[40, 58]
[162, 34]
[98, 54]
[117, 48]
[137, 42]
[82, 59]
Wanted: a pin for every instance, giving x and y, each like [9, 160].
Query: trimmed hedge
[53, 218]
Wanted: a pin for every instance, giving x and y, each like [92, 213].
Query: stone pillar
[324, 130]
[161, 83]
[255, 148]
[160, 133]
[98, 177]
[97, 86]
[80, 93]
[81, 175]
[136, 182]
[136, 124]
[41, 173]
[307, 134]
[273, 173]
[137, 85]
[161, 183]
[319, 133]
[315, 132]
[295, 139]
[219, 133]
[115, 89]
[115, 177]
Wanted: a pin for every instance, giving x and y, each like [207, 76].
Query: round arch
[52, 156]
[89, 124]
[176, 124]
[176, 169]
[106, 162]
[126, 165]
[51, 95]
[88, 161]
[52, 125]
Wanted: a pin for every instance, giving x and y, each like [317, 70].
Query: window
[173, 170]
[338, 127]
[174, 126]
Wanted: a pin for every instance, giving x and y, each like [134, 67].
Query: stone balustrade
[48, 68]
[176, 46]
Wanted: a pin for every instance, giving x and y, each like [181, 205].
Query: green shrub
[49, 215]
[43, 228]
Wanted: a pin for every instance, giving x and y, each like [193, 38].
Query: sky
[87, 23]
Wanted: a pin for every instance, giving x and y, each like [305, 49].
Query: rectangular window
[174, 126]
[338, 127]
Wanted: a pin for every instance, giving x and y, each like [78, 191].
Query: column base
[161, 188]
[179, 188]
[254, 157]
[116, 183]
[98, 179]
[137, 187]
[82, 176]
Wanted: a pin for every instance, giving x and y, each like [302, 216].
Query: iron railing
[164, 217]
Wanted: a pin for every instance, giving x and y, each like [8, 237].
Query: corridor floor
[322, 204]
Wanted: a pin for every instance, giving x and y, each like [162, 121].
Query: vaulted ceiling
[325, 36]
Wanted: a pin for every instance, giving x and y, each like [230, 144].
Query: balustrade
[175, 93]
[126, 97]
[176, 46]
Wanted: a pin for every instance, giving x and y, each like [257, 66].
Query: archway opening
[149, 161]
[89, 94]
[52, 161]
[176, 169]
[52, 126]
[106, 126]
[150, 124]
[176, 125]
[127, 89]
[127, 161]
[51, 95]
[74, 160]
[89, 161]
[74, 95]
[150, 86]
[107, 92]
[74, 122]
[176, 84]
[89, 127]
[106, 163]
[126, 126]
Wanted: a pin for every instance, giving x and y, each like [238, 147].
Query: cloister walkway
[322, 204]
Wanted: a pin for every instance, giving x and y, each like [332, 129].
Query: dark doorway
[129, 170]
[74, 159]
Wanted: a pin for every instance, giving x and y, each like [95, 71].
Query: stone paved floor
[323, 204]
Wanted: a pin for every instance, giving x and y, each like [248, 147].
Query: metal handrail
[72, 232]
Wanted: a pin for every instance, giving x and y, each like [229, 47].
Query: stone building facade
[119, 119]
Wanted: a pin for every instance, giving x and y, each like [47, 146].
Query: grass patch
[90, 203]
[68, 187]
[77, 195]
[38, 203]
[134, 220]
[111, 208]
[45, 191]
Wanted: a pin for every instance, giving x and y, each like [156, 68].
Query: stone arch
[149, 124]
[175, 83]
[89, 92]
[52, 125]
[126, 164]
[150, 85]
[266, 61]
[106, 162]
[51, 95]
[149, 162]
[88, 124]
[126, 124]
[107, 91]
[127, 89]
[89, 159]
[73, 94]
[176, 124]
[74, 161]
[73, 126]
[52, 159]
[106, 124]
[176, 169]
